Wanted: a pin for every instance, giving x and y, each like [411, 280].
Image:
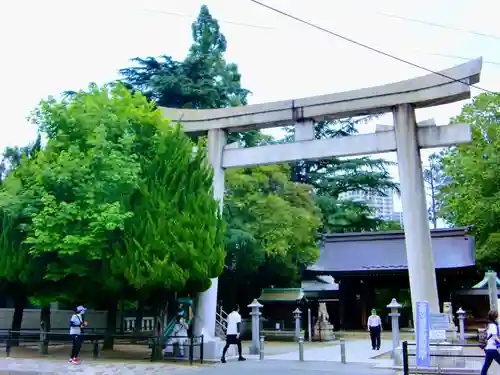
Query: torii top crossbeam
[443, 87]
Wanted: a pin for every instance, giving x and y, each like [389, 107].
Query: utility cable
[263, 27]
[428, 23]
[305, 22]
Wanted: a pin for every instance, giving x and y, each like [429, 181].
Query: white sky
[54, 45]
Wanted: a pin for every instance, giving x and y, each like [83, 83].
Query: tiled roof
[452, 248]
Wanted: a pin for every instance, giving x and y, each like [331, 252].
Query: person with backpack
[491, 342]
[76, 324]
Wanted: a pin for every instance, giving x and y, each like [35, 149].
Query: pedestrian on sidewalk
[233, 333]
[76, 324]
[375, 327]
[492, 342]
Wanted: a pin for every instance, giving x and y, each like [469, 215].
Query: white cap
[81, 309]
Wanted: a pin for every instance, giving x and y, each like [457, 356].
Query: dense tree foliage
[335, 176]
[203, 80]
[471, 190]
[272, 231]
[116, 201]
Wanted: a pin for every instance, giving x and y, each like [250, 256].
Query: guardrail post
[201, 349]
[95, 347]
[406, 367]
[261, 349]
[191, 351]
[343, 358]
[301, 349]
[8, 344]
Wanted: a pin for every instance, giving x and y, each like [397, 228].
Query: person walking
[375, 327]
[76, 324]
[492, 342]
[233, 333]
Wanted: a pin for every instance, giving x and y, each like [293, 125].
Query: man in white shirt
[233, 333]
[375, 327]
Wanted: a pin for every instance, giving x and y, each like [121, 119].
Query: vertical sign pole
[423, 354]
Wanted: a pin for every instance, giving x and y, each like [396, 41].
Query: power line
[461, 57]
[222, 21]
[428, 23]
[379, 13]
[366, 46]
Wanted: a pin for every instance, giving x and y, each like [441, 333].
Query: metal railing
[445, 358]
[221, 323]
[46, 341]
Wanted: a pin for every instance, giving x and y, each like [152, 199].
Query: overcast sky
[54, 45]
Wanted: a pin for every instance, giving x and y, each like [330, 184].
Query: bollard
[342, 351]
[261, 351]
[301, 349]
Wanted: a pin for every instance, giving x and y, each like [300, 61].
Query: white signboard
[422, 326]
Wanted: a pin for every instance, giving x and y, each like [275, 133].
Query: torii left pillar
[206, 306]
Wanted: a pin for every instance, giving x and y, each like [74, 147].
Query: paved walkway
[357, 351]
[58, 367]
[325, 357]
[278, 367]
[250, 367]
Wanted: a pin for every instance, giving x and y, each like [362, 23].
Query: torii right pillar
[419, 253]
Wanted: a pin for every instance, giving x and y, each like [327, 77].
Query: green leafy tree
[20, 274]
[335, 176]
[272, 231]
[203, 80]
[125, 207]
[471, 191]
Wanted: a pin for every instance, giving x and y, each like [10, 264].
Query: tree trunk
[110, 325]
[44, 329]
[17, 318]
[159, 329]
[45, 318]
[139, 314]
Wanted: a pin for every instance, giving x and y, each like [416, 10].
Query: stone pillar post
[206, 306]
[415, 217]
[492, 289]
[297, 315]
[461, 325]
[255, 313]
[394, 307]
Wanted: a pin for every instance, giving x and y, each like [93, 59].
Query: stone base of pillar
[253, 350]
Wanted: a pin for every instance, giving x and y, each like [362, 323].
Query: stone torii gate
[405, 137]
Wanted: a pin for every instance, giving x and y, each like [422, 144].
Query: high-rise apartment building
[383, 205]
